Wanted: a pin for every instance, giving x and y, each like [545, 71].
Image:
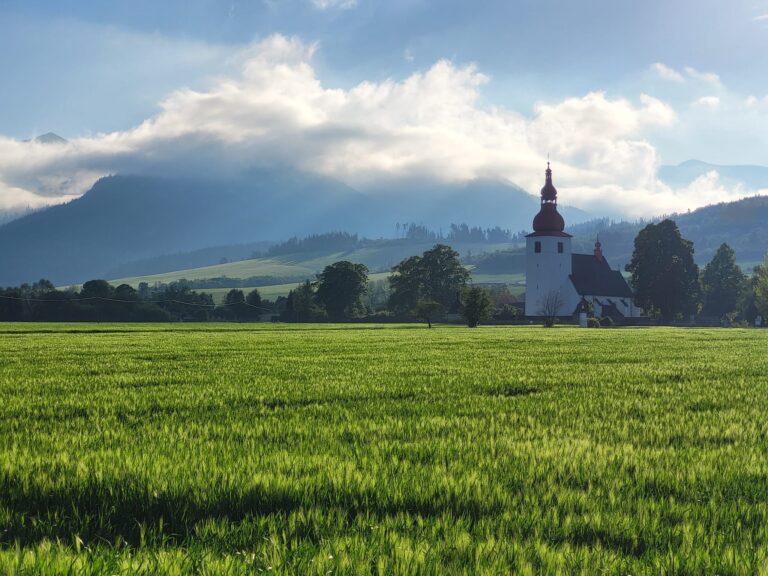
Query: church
[560, 283]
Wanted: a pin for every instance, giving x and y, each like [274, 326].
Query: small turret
[598, 249]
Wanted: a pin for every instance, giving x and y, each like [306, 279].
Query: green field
[514, 282]
[307, 265]
[322, 449]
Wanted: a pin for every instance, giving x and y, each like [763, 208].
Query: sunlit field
[236, 449]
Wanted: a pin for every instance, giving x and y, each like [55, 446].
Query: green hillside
[514, 282]
[287, 270]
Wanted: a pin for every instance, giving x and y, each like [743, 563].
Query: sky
[373, 90]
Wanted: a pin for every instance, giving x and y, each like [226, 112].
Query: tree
[550, 308]
[761, 289]
[254, 308]
[144, 291]
[664, 276]
[300, 305]
[235, 303]
[96, 289]
[340, 286]
[427, 310]
[722, 283]
[436, 275]
[126, 292]
[477, 306]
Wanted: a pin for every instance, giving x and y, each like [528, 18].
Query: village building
[560, 283]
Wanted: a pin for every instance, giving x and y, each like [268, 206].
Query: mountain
[480, 202]
[742, 224]
[49, 138]
[129, 219]
[749, 176]
[126, 218]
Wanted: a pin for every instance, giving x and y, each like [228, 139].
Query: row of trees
[669, 285]
[98, 301]
[423, 287]
[459, 233]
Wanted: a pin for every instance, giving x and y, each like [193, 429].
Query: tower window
[559, 247]
[537, 247]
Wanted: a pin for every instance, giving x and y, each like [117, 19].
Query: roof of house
[592, 276]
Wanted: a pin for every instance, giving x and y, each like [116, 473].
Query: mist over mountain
[125, 219]
[751, 177]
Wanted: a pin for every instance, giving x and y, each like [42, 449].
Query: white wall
[547, 272]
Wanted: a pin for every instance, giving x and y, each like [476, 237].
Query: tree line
[669, 285]
[99, 301]
[422, 287]
[666, 281]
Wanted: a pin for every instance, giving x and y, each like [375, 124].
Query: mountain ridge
[129, 218]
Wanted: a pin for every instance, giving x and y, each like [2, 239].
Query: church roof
[548, 222]
[593, 276]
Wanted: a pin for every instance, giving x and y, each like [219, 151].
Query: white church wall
[547, 271]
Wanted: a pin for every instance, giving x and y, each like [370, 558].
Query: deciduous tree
[664, 276]
[340, 286]
[551, 305]
[427, 310]
[437, 275]
[761, 289]
[477, 306]
[722, 283]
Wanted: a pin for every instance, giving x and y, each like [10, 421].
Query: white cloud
[341, 4]
[428, 125]
[708, 102]
[708, 77]
[760, 18]
[666, 72]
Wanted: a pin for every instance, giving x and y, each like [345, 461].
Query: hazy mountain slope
[742, 224]
[135, 220]
[482, 202]
[748, 176]
[126, 218]
[194, 259]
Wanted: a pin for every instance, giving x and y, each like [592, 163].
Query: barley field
[358, 449]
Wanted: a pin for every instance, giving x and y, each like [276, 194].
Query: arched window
[537, 247]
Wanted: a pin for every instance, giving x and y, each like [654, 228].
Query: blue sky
[654, 81]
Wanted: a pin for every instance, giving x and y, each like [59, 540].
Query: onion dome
[549, 192]
[548, 219]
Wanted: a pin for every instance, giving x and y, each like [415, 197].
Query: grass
[234, 449]
[242, 269]
[272, 291]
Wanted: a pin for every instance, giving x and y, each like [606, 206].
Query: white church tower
[548, 258]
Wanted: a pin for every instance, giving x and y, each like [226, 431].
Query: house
[560, 283]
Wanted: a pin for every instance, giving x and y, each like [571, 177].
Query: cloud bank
[431, 124]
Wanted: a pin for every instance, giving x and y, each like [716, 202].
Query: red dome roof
[548, 219]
